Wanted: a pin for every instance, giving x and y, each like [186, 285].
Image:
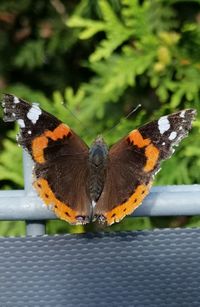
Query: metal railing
[26, 205]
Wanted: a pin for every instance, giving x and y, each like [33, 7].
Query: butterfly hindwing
[134, 160]
[60, 158]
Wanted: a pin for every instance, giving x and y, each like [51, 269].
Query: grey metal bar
[28, 178]
[35, 228]
[171, 200]
[162, 201]
[16, 205]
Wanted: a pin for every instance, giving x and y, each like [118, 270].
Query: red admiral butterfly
[85, 184]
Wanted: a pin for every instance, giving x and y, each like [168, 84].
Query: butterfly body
[98, 161]
[83, 184]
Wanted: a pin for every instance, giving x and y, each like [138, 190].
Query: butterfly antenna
[75, 116]
[126, 117]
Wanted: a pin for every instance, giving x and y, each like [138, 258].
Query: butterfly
[83, 184]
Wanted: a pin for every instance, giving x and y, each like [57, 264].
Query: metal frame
[26, 205]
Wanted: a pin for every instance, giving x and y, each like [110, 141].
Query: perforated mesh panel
[159, 268]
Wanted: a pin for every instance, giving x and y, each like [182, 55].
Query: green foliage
[151, 51]
[99, 59]
[13, 228]
[11, 171]
[31, 55]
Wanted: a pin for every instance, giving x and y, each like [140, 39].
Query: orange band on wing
[137, 139]
[116, 214]
[63, 211]
[151, 151]
[38, 146]
[152, 155]
[41, 142]
[58, 133]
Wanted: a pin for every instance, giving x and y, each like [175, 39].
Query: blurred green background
[101, 58]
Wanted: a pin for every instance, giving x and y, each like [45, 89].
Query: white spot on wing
[182, 114]
[163, 124]
[21, 123]
[15, 100]
[173, 135]
[163, 143]
[34, 113]
[180, 128]
[29, 132]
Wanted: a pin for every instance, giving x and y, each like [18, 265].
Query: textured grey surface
[159, 268]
